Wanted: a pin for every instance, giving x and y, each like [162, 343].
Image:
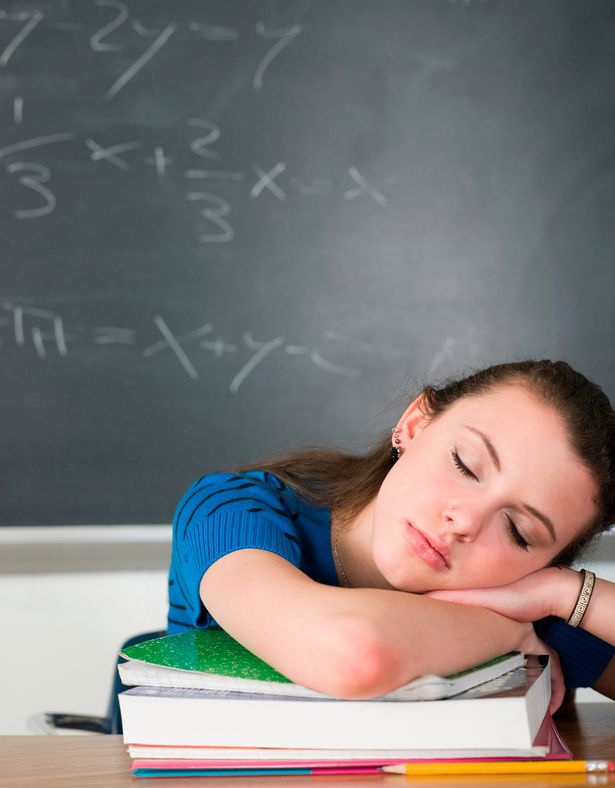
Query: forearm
[552, 591]
[424, 635]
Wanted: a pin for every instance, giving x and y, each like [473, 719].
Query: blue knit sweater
[224, 512]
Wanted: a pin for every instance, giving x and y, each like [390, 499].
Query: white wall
[60, 633]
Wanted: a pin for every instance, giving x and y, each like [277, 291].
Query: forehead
[529, 436]
[512, 405]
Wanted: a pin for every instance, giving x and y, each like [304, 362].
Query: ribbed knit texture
[210, 539]
[583, 656]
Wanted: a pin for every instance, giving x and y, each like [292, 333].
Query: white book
[267, 754]
[508, 719]
[547, 742]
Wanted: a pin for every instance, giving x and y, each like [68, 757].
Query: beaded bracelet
[585, 594]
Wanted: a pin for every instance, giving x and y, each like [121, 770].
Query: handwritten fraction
[212, 184]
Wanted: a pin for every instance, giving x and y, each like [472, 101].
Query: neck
[352, 554]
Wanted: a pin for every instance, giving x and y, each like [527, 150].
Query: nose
[462, 521]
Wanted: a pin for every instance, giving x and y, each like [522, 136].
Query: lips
[434, 556]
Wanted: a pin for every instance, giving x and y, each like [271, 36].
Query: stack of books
[201, 704]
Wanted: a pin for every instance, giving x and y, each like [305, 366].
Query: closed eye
[515, 534]
[462, 467]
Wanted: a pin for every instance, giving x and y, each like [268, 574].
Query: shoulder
[251, 492]
[221, 513]
[224, 512]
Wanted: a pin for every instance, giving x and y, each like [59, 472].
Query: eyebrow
[496, 461]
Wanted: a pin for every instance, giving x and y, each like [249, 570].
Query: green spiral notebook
[212, 659]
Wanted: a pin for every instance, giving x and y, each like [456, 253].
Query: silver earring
[396, 450]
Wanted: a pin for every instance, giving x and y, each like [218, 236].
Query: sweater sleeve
[583, 656]
[218, 515]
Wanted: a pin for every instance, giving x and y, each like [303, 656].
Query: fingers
[558, 685]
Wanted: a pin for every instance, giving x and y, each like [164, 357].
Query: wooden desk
[102, 762]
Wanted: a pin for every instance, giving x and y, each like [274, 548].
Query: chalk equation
[110, 36]
[45, 334]
[215, 224]
[118, 30]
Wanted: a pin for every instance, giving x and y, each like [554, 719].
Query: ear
[413, 421]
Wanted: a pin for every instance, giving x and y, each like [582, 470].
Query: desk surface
[102, 762]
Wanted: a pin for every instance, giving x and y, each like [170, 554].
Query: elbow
[365, 665]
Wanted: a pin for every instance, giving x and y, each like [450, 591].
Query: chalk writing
[215, 175]
[36, 142]
[44, 332]
[218, 347]
[34, 177]
[215, 212]
[113, 335]
[119, 19]
[214, 209]
[266, 181]
[114, 35]
[160, 40]
[364, 187]
[159, 160]
[321, 362]
[31, 18]
[116, 30]
[18, 110]
[27, 322]
[96, 39]
[214, 32]
[200, 145]
[175, 344]
[264, 349]
[260, 351]
[284, 38]
[110, 154]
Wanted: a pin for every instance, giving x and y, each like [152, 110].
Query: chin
[399, 579]
[390, 576]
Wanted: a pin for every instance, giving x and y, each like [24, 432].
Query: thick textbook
[548, 745]
[212, 660]
[504, 713]
[151, 761]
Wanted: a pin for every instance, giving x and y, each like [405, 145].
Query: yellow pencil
[501, 767]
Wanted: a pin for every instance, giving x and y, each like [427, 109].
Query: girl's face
[486, 493]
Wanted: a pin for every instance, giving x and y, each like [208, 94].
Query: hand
[547, 592]
[531, 644]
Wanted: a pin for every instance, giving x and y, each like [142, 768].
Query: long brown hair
[346, 482]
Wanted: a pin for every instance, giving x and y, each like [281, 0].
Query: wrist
[565, 592]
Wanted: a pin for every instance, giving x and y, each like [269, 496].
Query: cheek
[496, 566]
[412, 487]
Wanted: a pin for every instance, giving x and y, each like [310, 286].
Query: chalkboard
[235, 228]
